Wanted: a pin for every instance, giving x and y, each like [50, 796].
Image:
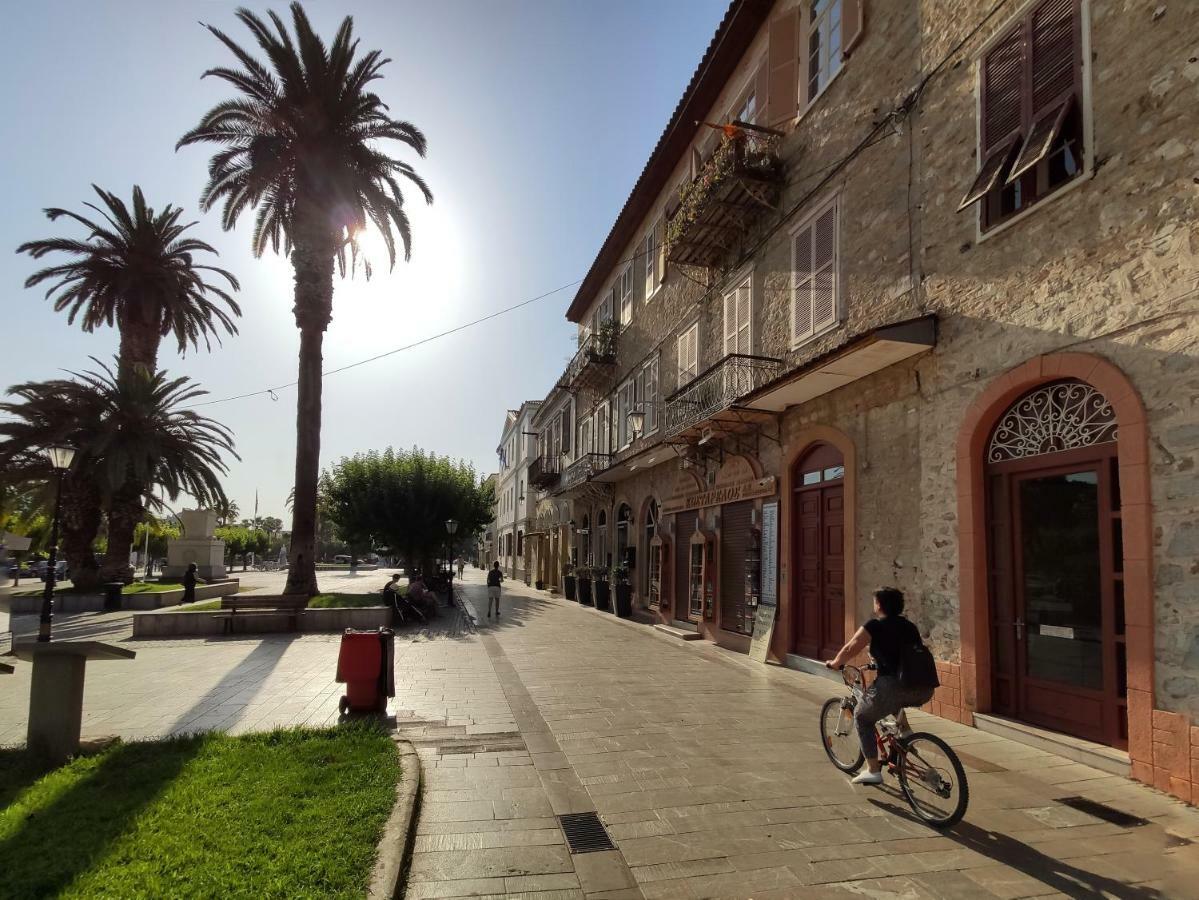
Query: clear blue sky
[539, 117]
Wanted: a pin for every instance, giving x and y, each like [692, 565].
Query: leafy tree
[160, 530]
[139, 269]
[227, 511]
[298, 142]
[402, 499]
[132, 436]
[241, 541]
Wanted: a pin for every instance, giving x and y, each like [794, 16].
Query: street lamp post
[451, 525]
[60, 460]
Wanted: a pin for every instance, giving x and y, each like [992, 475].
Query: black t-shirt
[888, 636]
[494, 577]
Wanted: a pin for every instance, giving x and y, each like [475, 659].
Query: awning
[864, 355]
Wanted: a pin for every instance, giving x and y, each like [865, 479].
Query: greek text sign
[729, 493]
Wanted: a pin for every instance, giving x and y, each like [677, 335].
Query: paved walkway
[705, 767]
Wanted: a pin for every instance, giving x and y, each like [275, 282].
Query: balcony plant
[583, 575]
[605, 340]
[740, 152]
[624, 592]
[602, 587]
[568, 581]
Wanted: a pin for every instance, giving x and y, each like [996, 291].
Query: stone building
[916, 281]
[514, 503]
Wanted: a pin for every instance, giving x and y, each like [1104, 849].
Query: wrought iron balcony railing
[582, 469]
[717, 390]
[544, 472]
[594, 362]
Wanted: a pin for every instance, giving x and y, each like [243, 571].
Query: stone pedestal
[198, 545]
[56, 693]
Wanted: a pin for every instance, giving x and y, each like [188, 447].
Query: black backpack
[917, 668]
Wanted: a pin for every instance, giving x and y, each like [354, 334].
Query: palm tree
[136, 269]
[298, 143]
[133, 435]
[227, 512]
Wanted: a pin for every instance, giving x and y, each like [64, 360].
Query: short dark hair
[890, 600]
[496, 564]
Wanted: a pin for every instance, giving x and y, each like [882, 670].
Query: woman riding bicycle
[887, 634]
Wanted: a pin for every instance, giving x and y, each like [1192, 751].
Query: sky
[539, 116]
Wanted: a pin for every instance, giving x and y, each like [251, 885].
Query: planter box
[624, 601]
[170, 623]
[569, 586]
[585, 591]
[603, 595]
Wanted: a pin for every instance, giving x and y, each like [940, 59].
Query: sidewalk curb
[395, 846]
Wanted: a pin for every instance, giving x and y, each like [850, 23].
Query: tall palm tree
[134, 435]
[136, 269]
[299, 143]
[227, 512]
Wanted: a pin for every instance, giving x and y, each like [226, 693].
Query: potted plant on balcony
[568, 581]
[603, 590]
[584, 586]
[624, 592]
[605, 340]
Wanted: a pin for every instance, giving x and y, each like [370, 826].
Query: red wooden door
[818, 554]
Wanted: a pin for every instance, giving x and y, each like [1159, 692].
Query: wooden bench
[291, 606]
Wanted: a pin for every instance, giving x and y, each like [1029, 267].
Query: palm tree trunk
[140, 339]
[313, 260]
[124, 512]
[80, 523]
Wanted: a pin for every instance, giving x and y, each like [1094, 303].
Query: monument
[198, 545]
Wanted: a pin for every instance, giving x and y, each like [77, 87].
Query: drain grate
[1103, 811]
[585, 832]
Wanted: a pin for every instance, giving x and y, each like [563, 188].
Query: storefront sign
[1057, 631]
[768, 603]
[717, 496]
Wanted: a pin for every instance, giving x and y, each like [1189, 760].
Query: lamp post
[451, 526]
[60, 458]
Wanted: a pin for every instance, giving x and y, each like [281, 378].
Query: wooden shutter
[730, 322]
[693, 350]
[660, 238]
[1055, 66]
[743, 318]
[736, 531]
[1002, 90]
[650, 255]
[651, 396]
[566, 430]
[824, 269]
[801, 285]
[783, 59]
[762, 92]
[853, 21]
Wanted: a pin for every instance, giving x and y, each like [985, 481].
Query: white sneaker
[868, 777]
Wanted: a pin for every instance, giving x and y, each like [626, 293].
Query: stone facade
[1096, 282]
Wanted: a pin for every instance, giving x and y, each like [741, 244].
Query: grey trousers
[886, 697]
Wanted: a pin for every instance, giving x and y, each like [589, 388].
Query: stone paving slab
[705, 767]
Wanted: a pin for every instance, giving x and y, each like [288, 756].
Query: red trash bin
[365, 665]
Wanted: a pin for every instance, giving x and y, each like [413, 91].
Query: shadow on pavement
[1057, 874]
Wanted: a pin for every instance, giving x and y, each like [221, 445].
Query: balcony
[709, 402]
[592, 368]
[741, 182]
[544, 472]
[582, 469]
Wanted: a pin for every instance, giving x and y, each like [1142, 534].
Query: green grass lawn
[138, 587]
[290, 813]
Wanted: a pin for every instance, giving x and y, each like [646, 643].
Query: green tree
[132, 435]
[140, 270]
[402, 499]
[241, 541]
[227, 511]
[160, 531]
[299, 143]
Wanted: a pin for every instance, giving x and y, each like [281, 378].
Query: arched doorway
[818, 552]
[650, 592]
[1056, 551]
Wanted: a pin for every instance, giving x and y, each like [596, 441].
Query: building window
[748, 113]
[624, 406]
[647, 394]
[601, 539]
[688, 354]
[815, 277]
[824, 45]
[737, 316]
[1030, 113]
[624, 290]
[653, 253]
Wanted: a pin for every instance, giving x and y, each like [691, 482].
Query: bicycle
[930, 773]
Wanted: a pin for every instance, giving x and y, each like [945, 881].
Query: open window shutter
[801, 290]
[566, 430]
[853, 21]
[783, 59]
[730, 323]
[660, 237]
[1001, 110]
[693, 351]
[651, 396]
[1055, 64]
[743, 318]
[824, 269]
[762, 92]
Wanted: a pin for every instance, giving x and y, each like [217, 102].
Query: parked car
[40, 567]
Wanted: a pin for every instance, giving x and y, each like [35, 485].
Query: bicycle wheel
[839, 737]
[933, 780]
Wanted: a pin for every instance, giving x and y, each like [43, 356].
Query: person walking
[494, 577]
[461, 566]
